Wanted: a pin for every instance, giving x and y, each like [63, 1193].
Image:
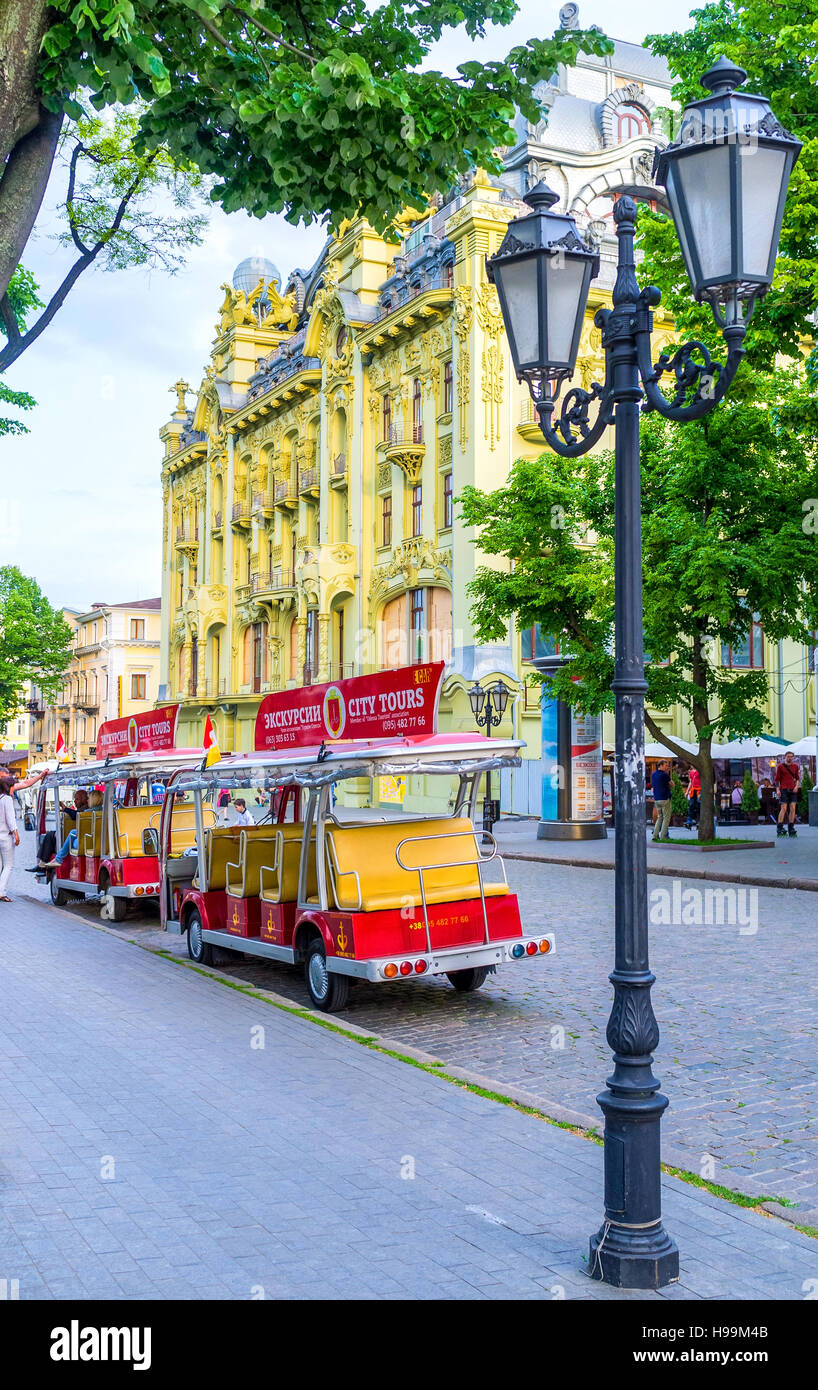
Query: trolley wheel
[199, 950]
[328, 991]
[59, 897]
[465, 981]
[113, 909]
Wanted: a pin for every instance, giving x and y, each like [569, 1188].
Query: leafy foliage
[22, 296]
[308, 107]
[108, 172]
[725, 535]
[776, 45]
[35, 640]
[807, 785]
[123, 208]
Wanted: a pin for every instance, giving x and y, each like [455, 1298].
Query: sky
[80, 496]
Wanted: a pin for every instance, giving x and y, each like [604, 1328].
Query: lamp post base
[572, 830]
[628, 1259]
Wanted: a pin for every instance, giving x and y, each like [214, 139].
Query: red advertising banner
[388, 704]
[151, 732]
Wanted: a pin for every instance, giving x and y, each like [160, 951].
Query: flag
[211, 744]
[59, 751]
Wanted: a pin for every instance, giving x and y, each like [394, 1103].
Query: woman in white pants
[9, 837]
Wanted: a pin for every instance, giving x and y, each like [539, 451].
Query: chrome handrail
[481, 859]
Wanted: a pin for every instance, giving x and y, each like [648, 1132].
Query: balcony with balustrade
[285, 494]
[338, 471]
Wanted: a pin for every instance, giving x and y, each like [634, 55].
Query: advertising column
[572, 769]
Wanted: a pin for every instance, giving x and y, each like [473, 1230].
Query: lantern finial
[723, 77]
[541, 196]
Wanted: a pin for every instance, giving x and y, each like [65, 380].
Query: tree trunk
[707, 795]
[28, 133]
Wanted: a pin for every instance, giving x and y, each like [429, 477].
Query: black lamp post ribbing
[543, 265]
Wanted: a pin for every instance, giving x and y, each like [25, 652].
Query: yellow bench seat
[365, 876]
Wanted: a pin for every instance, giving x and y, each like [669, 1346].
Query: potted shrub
[678, 800]
[807, 785]
[750, 801]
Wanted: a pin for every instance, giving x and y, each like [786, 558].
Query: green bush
[803, 796]
[750, 801]
[678, 800]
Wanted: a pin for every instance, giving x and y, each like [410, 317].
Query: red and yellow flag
[211, 744]
[60, 751]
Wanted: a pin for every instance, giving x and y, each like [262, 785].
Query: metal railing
[285, 491]
[339, 465]
[277, 578]
[307, 479]
[404, 434]
[218, 521]
[419, 283]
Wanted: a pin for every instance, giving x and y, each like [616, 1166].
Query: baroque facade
[310, 525]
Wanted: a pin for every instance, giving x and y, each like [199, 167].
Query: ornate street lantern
[500, 697]
[726, 179]
[477, 699]
[542, 272]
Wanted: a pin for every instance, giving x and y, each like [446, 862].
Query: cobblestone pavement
[738, 1015]
[150, 1146]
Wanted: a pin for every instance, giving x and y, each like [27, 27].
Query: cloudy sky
[80, 495]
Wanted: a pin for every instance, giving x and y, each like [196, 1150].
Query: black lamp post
[488, 708]
[726, 181]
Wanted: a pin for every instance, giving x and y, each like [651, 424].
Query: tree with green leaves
[123, 207]
[35, 641]
[314, 108]
[726, 542]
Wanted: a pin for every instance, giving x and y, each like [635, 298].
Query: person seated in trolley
[92, 801]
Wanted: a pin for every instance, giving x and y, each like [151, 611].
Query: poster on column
[586, 766]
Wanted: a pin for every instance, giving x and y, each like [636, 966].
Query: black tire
[328, 991]
[112, 909]
[199, 951]
[59, 897]
[465, 981]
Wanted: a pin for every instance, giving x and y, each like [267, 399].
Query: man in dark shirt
[788, 781]
[660, 786]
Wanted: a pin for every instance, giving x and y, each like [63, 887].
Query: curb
[809, 885]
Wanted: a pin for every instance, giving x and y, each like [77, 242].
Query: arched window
[632, 121]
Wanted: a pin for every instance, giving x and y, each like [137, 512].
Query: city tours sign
[153, 731]
[388, 704]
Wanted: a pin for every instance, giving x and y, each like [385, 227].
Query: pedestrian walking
[243, 815]
[9, 838]
[788, 781]
[694, 787]
[660, 786]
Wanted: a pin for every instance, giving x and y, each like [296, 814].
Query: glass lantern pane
[704, 190]
[517, 285]
[763, 171]
[564, 303]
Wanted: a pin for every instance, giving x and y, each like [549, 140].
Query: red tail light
[531, 948]
[420, 967]
[406, 967]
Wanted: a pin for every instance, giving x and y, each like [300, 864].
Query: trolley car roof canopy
[120, 769]
[449, 754]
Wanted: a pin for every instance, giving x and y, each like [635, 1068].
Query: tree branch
[69, 199]
[15, 349]
[675, 748]
[268, 33]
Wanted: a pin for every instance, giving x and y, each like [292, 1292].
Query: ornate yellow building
[310, 522]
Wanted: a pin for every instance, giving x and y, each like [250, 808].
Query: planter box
[713, 849]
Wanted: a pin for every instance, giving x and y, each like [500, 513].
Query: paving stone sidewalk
[151, 1147]
[788, 863]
